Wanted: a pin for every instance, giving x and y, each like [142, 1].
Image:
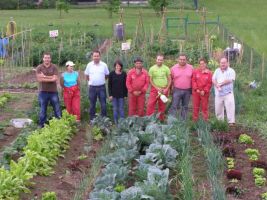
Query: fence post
[251, 62]
[262, 68]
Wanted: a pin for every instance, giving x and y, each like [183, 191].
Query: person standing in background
[117, 90]
[181, 74]
[160, 81]
[47, 76]
[96, 73]
[137, 83]
[70, 83]
[223, 80]
[201, 85]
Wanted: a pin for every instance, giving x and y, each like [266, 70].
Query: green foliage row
[214, 161]
[184, 160]
[132, 136]
[40, 154]
[75, 48]
[148, 52]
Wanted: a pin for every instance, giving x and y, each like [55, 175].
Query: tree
[112, 6]
[62, 5]
[158, 5]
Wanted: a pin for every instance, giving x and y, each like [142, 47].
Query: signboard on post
[53, 33]
[125, 46]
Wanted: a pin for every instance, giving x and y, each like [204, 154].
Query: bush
[8, 4]
[13, 4]
[69, 51]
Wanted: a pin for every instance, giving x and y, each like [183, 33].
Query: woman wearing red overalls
[70, 82]
[201, 85]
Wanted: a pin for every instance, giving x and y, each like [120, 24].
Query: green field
[95, 20]
[92, 20]
[245, 18]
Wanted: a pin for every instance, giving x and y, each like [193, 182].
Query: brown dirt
[242, 163]
[15, 106]
[67, 173]
[28, 77]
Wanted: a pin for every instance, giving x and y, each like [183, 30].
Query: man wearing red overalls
[137, 82]
[201, 85]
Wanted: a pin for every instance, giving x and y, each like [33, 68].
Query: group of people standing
[180, 81]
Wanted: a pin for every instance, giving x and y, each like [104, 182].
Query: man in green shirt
[160, 80]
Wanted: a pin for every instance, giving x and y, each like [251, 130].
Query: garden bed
[244, 188]
[18, 106]
[68, 172]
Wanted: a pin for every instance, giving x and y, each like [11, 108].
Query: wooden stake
[262, 68]
[163, 31]
[251, 63]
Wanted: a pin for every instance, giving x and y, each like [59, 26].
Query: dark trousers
[196, 4]
[44, 99]
[100, 93]
[118, 108]
[180, 99]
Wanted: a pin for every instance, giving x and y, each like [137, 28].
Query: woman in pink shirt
[181, 74]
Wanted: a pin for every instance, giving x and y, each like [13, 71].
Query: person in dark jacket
[117, 90]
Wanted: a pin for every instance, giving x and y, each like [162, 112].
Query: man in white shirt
[96, 73]
[223, 80]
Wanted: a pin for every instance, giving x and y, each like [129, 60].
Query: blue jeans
[100, 92]
[118, 108]
[180, 97]
[45, 98]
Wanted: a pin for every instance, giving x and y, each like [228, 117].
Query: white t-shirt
[96, 73]
[220, 76]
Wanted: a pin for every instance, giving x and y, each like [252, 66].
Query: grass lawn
[96, 20]
[245, 18]
[91, 19]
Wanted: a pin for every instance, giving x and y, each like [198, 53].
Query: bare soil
[16, 106]
[247, 187]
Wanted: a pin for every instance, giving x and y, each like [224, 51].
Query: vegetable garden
[141, 158]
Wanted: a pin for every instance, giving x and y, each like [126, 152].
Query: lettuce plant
[253, 154]
[230, 163]
[49, 196]
[260, 181]
[264, 196]
[245, 139]
[258, 172]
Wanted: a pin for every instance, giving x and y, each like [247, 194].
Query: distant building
[136, 2]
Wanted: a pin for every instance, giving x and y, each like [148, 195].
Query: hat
[69, 63]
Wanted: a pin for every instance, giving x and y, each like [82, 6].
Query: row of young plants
[259, 167]
[215, 163]
[4, 98]
[43, 148]
[235, 175]
[144, 153]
